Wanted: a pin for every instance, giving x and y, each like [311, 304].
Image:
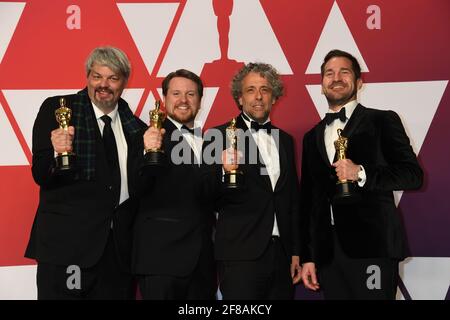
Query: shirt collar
[176, 123]
[99, 113]
[349, 108]
[179, 125]
[248, 122]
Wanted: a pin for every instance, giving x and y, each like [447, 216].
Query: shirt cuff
[361, 176]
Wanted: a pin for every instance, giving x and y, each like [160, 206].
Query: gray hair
[111, 57]
[266, 71]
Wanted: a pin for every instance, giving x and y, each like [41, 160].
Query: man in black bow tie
[355, 247]
[173, 249]
[256, 243]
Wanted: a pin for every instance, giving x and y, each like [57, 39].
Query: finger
[71, 130]
[307, 283]
[297, 276]
[314, 279]
[296, 279]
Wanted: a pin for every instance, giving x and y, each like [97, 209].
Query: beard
[334, 100]
[182, 117]
[105, 104]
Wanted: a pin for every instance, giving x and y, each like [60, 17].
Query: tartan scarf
[86, 126]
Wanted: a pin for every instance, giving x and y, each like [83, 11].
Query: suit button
[109, 187]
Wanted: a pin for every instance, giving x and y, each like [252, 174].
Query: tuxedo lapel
[354, 121]
[168, 144]
[257, 169]
[282, 151]
[320, 141]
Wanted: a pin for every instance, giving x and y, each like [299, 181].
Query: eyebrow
[252, 86]
[341, 69]
[107, 76]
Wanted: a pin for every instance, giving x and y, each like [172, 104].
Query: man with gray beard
[80, 236]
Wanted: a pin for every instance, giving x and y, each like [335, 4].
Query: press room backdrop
[403, 47]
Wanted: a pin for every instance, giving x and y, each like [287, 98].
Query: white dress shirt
[270, 155]
[331, 136]
[194, 141]
[122, 147]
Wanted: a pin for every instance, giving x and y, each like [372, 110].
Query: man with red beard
[172, 249]
[80, 235]
[352, 244]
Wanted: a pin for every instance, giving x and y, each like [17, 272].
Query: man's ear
[359, 83]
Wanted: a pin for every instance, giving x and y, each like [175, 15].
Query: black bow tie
[191, 131]
[331, 116]
[256, 126]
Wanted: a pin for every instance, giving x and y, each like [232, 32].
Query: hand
[296, 269]
[153, 138]
[230, 159]
[346, 169]
[62, 139]
[309, 277]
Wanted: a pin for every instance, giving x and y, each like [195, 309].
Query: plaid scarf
[85, 124]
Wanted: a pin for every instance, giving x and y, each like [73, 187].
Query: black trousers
[201, 284]
[353, 279]
[103, 281]
[266, 278]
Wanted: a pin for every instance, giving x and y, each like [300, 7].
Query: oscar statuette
[65, 161]
[156, 157]
[233, 179]
[345, 189]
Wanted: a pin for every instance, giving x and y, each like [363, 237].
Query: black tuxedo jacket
[246, 217]
[371, 227]
[174, 221]
[73, 219]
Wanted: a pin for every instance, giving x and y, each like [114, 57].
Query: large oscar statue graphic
[233, 179]
[345, 189]
[65, 161]
[156, 157]
[224, 66]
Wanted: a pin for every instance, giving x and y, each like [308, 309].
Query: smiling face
[182, 100]
[104, 87]
[257, 97]
[339, 84]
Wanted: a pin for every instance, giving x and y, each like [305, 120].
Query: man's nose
[337, 77]
[104, 82]
[258, 94]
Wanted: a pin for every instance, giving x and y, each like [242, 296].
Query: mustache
[336, 83]
[106, 89]
[183, 105]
